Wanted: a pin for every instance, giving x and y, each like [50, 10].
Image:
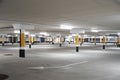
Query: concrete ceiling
[50, 14]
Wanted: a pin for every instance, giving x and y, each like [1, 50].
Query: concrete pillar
[77, 43]
[69, 40]
[60, 41]
[22, 44]
[3, 40]
[104, 42]
[29, 39]
[32, 39]
[12, 40]
[94, 40]
[49, 40]
[53, 39]
[118, 44]
[81, 41]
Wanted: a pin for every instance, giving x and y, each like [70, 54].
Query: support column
[77, 43]
[69, 40]
[3, 40]
[32, 40]
[104, 42]
[81, 41]
[53, 40]
[118, 45]
[29, 41]
[12, 40]
[60, 41]
[22, 44]
[49, 40]
[94, 40]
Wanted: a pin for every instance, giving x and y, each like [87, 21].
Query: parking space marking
[58, 67]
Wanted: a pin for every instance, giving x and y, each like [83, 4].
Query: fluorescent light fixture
[73, 34]
[44, 33]
[85, 35]
[32, 35]
[16, 35]
[94, 31]
[26, 33]
[82, 32]
[69, 36]
[16, 31]
[66, 27]
[118, 33]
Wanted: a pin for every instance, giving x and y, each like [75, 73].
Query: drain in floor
[8, 54]
[3, 76]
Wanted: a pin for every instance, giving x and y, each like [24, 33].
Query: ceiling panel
[50, 14]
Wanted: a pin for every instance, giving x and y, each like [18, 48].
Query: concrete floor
[50, 62]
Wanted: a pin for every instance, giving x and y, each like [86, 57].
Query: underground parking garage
[59, 39]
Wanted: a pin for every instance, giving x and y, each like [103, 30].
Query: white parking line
[58, 67]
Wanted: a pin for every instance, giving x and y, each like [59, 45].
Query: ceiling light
[118, 33]
[32, 35]
[85, 35]
[69, 36]
[73, 34]
[94, 30]
[82, 32]
[44, 33]
[16, 31]
[26, 33]
[66, 27]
